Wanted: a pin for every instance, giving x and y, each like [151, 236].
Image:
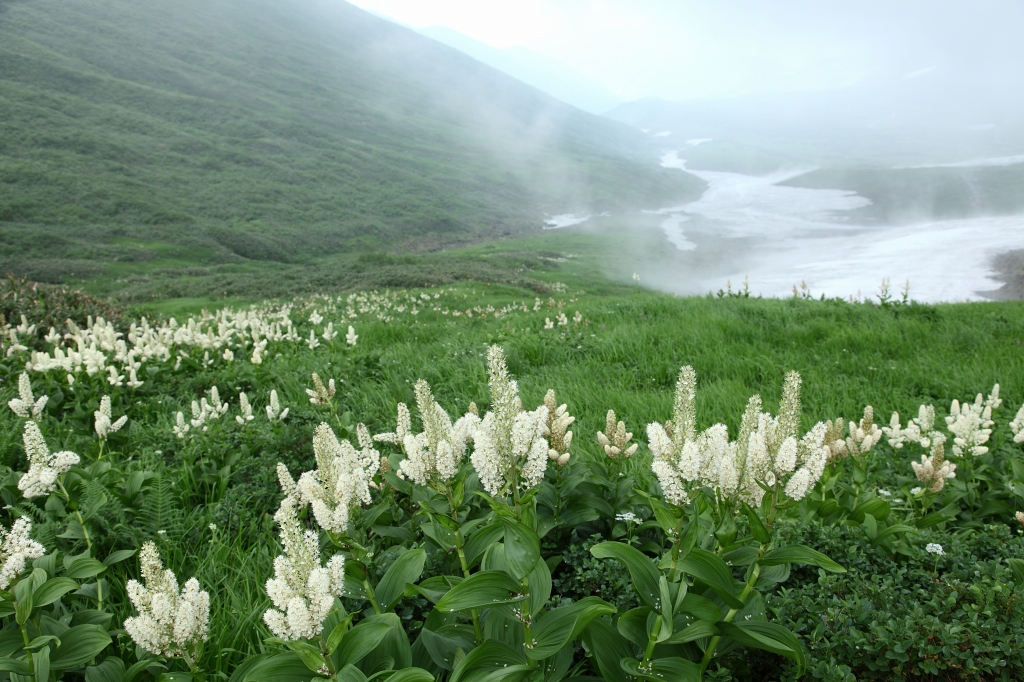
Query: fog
[841, 144]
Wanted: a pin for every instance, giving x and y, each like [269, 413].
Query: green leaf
[522, 548]
[757, 528]
[1017, 566]
[286, 667]
[489, 657]
[710, 568]
[110, 670]
[480, 590]
[930, 520]
[394, 651]
[663, 669]
[16, 666]
[41, 662]
[799, 554]
[607, 647]
[84, 567]
[694, 631]
[641, 570]
[358, 642]
[876, 507]
[350, 673]
[310, 655]
[768, 636]
[118, 556]
[554, 629]
[338, 632]
[665, 596]
[442, 646]
[481, 540]
[23, 593]
[405, 569]
[893, 530]
[410, 675]
[434, 588]
[52, 590]
[633, 625]
[138, 668]
[668, 521]
[79, 645]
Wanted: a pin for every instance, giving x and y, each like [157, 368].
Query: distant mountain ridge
[279, 130]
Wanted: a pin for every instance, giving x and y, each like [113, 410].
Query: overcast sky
[676, 49]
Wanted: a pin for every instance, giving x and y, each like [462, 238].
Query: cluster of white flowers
[509, 443]
[862, 436]
[1020, 518]
[302, 590]
[971, 424]
[934, 548]
[99, 348]
[26, 405]
[615, 439]
[170, 622]
[245, 410]
[351, 337]
[934, 469]
[44, 468]
[1017, 426]
[16, 548]
[436, 454]
[767, 450]
[342, 480]
[274, 411]
[320, 394]
[556, 429]
[920, 429]
[204, 411]
[103, 419]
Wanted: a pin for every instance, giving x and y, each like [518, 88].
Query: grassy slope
[626, 357]
[156, 137]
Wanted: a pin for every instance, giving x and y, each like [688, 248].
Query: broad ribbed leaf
[553, 629]
[52, 590]
[608, 647]
[481, 590]
[710, 568]
[410, 675]
[481, 540]
[405, 569]
[694, 631]
[84, 567]
[799, 554]
[79, 645]
[358, 642]
[286, 667]
[490, 656]
[768, 636]
[522, 549]
[663, 669]
[641, 569]
[110, 670]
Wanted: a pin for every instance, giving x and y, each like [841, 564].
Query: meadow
[477, 539]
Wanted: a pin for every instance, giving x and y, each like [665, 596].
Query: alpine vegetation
[45, 469]
[379, 525]
[171, 622]
[768, 454]
[17, 548]
[510, 452]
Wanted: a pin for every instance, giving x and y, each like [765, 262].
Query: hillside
[227, 132]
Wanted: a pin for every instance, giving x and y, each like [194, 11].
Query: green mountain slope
[229, 131]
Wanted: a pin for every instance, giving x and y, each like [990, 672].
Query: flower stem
[747, 589]
[370, 596]
[651, 641]
[459, 544]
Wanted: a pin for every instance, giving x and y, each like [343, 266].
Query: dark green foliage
[903, 619]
